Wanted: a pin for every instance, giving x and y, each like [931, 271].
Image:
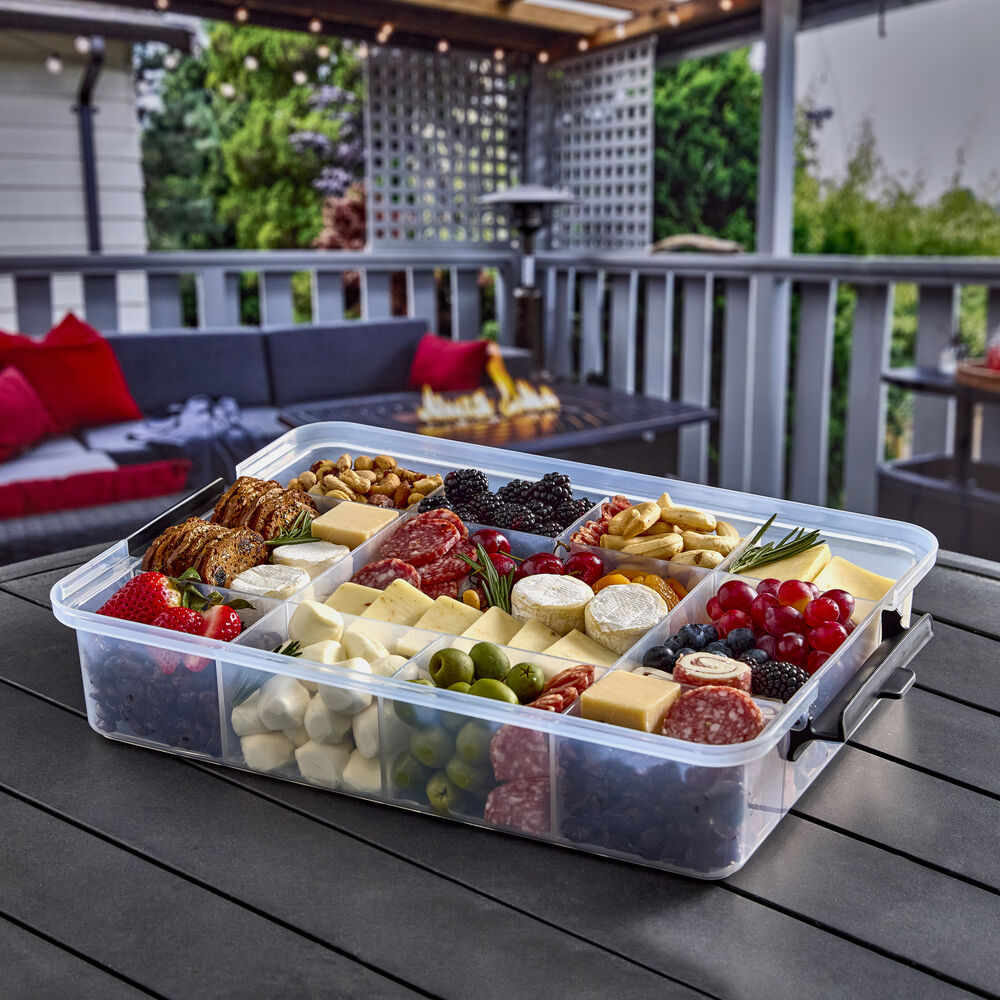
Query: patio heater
[530, 207]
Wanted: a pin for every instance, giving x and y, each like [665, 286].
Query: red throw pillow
[23, 417]
[92, 489]
[448, 364]
[76, 374]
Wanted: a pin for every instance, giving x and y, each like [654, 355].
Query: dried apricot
[678, 588]
[632, 572]
[661, 587]
[609, 580]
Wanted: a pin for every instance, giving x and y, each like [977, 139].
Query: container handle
[139, 540]
[883, 675]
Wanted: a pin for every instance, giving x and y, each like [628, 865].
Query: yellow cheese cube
[449, 615]
[400, 602]
[534, 637]
[352, 598]
[494, 626]
[839, 574]
[581, 648]
[351, 524]
[634, 701]
[805, 566]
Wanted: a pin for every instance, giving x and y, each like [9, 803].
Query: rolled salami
[710, 668]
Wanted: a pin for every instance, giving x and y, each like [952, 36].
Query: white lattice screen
[602, 119]
[442, 129]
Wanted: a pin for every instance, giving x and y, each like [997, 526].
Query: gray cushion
[262, 423]
[353, 358]
[169, 366]
[32, 466]
[57, 447]
[113, 439]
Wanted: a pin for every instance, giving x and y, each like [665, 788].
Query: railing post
[465, 305]
[376, 294]
[33, 297]
[736, 409]
[218, 292]
[990, 447]
[327, 296]
[421, 296]
[591, 316]
[624, 310]
[558, 352]
[813, 365]
[276, 305]
[696, 363]
[864, 437]
[934, 417]
[164, 294]
[503, 296]
[659, 342]
[100, 301]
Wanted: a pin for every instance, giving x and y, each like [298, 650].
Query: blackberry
[435, 502]
[776, 679]
[485, 506]
[552, 489]
[465, 512]
[505, 514]
[567, 512]
[548, 528]
[523, 520]
[516, 491]
[461, 485]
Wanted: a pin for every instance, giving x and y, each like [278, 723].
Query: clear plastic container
[685, 807]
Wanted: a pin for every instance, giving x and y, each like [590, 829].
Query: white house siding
[42, 207]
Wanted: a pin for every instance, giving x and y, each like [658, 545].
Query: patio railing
[682, 326]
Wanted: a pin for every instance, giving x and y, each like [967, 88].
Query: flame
[518, 398]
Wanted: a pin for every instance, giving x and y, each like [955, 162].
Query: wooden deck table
[129, 873]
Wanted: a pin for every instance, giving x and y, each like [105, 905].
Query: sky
[931, 88]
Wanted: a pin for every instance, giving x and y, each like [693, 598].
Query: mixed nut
[379, 481]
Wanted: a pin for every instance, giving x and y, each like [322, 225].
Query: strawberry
[177, 620]
[143, 598]
[221, 622]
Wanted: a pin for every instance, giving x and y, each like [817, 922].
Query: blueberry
[740, 639]
[684, 650]
[709, 633]
[660, 658]
[755, 657]
[691, 635]
[719, 648]
[674, 642]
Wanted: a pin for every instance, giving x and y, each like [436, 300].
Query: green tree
[707, 119]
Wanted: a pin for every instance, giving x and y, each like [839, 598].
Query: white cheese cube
[401, 603]
[353, 598]
[325, 651]
[450, 616]
[314, 622]
[310, 557]
[271, 581]
[366, 730]
[356, 643]
[323, 763]
[388, 665]
[495, 626]
[325, 726]
[245, 718]
[267, 751]
[297, 736]
[410, 643]
[341, 699]
[283, 702]
[363, 774]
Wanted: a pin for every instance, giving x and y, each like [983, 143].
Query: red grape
[769, 586]
[822, 609]
[815, 660]
[760, 604]
[849, 626]
[844, 601]
[779, 620]
[735, 595]
[714, 609]
[827, 637]
[791, 647]
[795, 594]
[767, 643]
[731, 620]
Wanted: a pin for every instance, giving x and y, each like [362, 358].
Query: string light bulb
[241, 14]
[363, 50]
[498, 54]
[323, 51]
[726, 4]
[227, 90]
[82, 44]
[162, 4]
[171, 60]
[385, 32]
[673, 18]
[251, 64]
[620, 29]
[53, 64]
[543, 56]
[582, 44]
[315, 25]
[299, 78]
[443, 45]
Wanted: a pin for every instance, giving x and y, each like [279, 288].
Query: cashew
[355, 481]
[338, 495]
[307, 479]
[334, 483]
[317, 491]
[415, 497]
[385, 462]
[344, 462]
[363, 463]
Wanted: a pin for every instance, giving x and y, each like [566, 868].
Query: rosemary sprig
[796, 541]
[496, 587]
[252, 679]
[299, 532]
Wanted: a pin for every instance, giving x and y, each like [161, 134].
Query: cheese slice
[310, 557]
[401, 603]
[448, 615]
[351, 524]
[271, 581]
[534, 637]
[634, 701]
[619, 616]
[805, 566]
[410, 643]
[494, 626]
[556, 601]
[581, 648]
[839, 574]
[353, 599]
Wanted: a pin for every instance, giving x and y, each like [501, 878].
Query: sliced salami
[444, 514]
[714, 714]
[577, 678]
[702, 669]
[523, 805]
[382, 572]
[420, 542]
[554, 701]
[448, 566]
[446, 588]
[519, 753]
